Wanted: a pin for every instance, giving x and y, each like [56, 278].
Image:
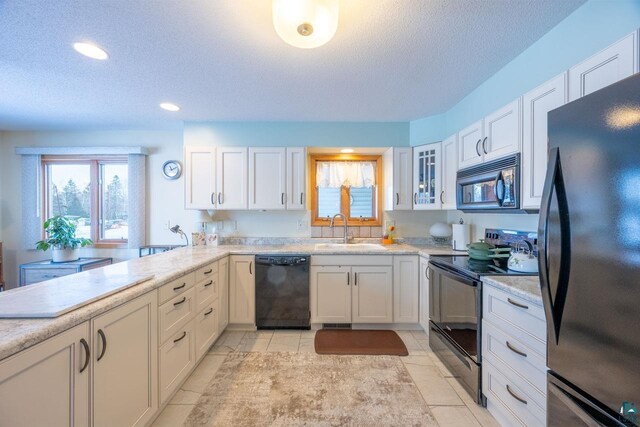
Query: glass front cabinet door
[427, 177]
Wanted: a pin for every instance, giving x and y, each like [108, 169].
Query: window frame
[345, 207]
[97, 188]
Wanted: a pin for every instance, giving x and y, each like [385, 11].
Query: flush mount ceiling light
[305, 23]
[91, 50]
[347, 150]
[169, 106]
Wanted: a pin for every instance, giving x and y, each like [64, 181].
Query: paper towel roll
[460, 236]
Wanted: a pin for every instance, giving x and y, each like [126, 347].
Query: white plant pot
[65, 255]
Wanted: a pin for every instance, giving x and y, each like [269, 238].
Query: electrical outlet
[167, 225]
[301, 225]
[234, 225]
[219, 225]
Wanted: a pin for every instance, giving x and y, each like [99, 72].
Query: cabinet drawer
[503, 391]
[206, 327]
[177, 358]
[175, 287]
[206, 292]
[504, 350]
[207, 272]
[349, 260]
[515, 316]
[175, 313]
[36, 275]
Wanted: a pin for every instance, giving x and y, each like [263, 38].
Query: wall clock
[171, 169]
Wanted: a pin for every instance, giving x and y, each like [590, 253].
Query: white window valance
[334, 174]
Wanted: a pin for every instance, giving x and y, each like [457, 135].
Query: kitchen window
[346, 184]
[92, 191]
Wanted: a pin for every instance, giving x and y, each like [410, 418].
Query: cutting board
[59, 296]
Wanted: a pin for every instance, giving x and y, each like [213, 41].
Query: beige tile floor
[449, 403]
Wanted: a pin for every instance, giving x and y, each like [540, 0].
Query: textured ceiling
[391, 60]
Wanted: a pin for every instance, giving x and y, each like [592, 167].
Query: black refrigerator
[589, 244]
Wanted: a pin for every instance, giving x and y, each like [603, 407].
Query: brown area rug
[304, 389]
[359, 342]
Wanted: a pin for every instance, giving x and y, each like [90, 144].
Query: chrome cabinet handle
[477, 147]
[209, 271]
[87, 354]
[515, 396]
[175, 304]
[209, 312]
[397, 199]
[301, 198]
[220, 198]
[517, 304]
[184, 334]
[104, 344]
[208, 284]
[177, 288]
[515, 350]
[415, 198]
[282, 198]
[213, 198]
[484, 142]
[442, 197]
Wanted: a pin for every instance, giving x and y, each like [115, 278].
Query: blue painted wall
[298, 134]
[591, 28]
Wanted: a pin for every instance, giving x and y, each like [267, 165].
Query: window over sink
[346, 184]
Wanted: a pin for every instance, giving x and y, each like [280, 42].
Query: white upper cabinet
[231, 178]
[535, 105]
[427, 177]
[398, 179]
[200, 177]
[608, 66]
[502, 132]
[469, 140]
[296, 171]
[267, 178]
[449, 171]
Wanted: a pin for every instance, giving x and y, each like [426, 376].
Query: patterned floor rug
[300, 389]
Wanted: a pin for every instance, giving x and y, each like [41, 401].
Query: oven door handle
[453, 275]
[499, 186]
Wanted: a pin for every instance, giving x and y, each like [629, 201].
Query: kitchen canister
[461, 236]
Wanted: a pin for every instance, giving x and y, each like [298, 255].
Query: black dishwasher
[282, 292]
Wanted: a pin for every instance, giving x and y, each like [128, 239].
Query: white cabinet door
[502, 132]
[330, 294]
[424, 293]
[223, 299]
[231, 178]
[608, 66]
[206, 329]
[267, 178]
[296, 178]
[199, 177]
[427, 177]
[469, 140]
[125, 363]
[44, 385]
[535, 106]
[449, 171]
[402, 179]
[405, 289]
[372, 295]
[242, 295]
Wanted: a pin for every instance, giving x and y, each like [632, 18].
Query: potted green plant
[62, 240]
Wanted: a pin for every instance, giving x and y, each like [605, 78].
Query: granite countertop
[19, 334]
[525, 287]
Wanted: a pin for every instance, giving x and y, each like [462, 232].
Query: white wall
[165, 200]
[480, 221]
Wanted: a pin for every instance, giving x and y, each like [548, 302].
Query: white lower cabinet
[223, 294]
[406, 289]
[125, 363]
[514, 359]
[330, 296]
[372, 295]
[242, 294]
[46, 385]
[177, 357]
[424, 293]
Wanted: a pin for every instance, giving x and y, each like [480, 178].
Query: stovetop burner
[471, 267]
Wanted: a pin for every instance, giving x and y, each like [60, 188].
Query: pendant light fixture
[305, 23]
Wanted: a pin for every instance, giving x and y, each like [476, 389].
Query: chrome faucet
[344, 218]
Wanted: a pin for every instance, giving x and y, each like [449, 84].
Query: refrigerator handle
[554, 305]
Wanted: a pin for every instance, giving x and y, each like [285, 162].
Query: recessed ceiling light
[169, 106]
[347, 150]
[91, 50]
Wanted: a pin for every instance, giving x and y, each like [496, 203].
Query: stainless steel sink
[351, 246]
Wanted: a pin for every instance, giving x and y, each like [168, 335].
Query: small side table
[40, 271]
